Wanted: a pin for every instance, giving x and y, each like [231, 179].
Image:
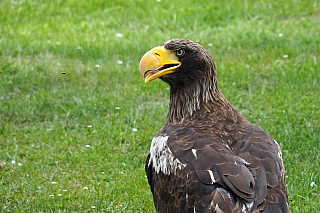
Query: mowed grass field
[77, 142]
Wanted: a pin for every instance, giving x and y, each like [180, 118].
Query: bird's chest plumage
[161, 157]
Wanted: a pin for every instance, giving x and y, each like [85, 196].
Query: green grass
[45, 116]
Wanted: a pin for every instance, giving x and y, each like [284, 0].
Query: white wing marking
[162, 158]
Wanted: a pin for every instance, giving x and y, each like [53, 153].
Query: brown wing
[263, 154]
[244, 175]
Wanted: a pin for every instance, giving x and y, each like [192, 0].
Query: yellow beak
[158, 62]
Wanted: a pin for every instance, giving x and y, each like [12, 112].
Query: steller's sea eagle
[207, 157]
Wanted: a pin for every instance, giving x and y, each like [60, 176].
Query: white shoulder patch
[194, 152]
[162, 158]
[279, 149]
[211, 176]
[282, 172]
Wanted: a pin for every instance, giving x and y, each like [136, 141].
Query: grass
[68, 142]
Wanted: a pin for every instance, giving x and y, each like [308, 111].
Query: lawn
[78, 141]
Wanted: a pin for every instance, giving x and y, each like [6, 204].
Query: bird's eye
[180, 53]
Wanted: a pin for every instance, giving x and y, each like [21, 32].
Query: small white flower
[285, 56]
[210, 44]
[117, 108]
[51, 195]
[58, 43]
[19, 164]
[59, 195]
[64, 190]
[85, 187]
[313, 184]
[120, 172]
[158, 0]
[93, 207]
[134, 129]
[49, 130]
[120, 62]
[119, 35]
[53, 182]
[234, 83]
[39, 187]
[48, 41]
[79, 47]
[13, 162]
[229, 48]
[280, 35]
[89, 126]
[88, 146]
[97, 65]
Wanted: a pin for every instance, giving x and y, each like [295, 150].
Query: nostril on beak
[157, 55]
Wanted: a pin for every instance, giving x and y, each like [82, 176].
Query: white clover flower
[285, 56]
[120, 62]
[97, 65]
[280, 35]
[119, 35]
[88, 146]
[134, 129]
[53, 182]
[313, 184]
[89, 126]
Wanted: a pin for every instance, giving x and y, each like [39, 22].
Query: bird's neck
[187, 101]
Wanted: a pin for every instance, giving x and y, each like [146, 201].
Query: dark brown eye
[180, 53]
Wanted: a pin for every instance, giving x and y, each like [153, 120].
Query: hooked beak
[158, 62]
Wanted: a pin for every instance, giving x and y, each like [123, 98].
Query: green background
[68, 142]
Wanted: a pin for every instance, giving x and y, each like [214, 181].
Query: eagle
[207, 157]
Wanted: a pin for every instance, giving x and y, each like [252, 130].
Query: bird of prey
[207, 157]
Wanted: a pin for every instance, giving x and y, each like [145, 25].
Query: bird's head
[179, 62]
